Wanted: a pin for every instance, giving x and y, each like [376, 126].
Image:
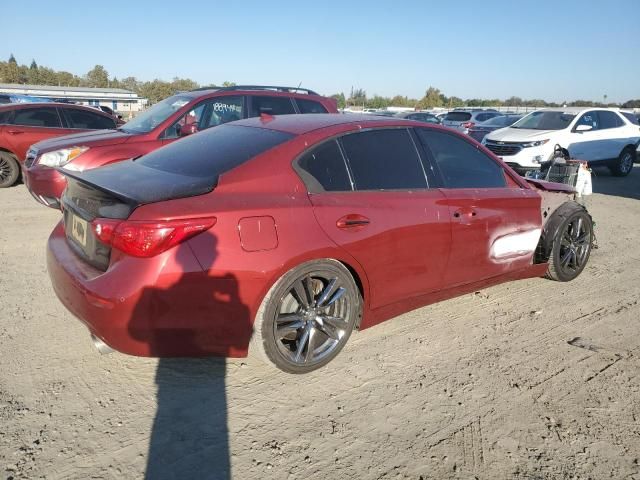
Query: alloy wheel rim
[575, 245]
[5, 169]
[312, 319]
[627, 163]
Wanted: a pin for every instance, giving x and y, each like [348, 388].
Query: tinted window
[545, 120]
[271, 106]
[609, 119]
[323, 169]
[213, 151]
[461, 164]
[4, 117]
[309, 106]
[77, 118]
[5, 99]
[590, 119]
[384, 160]
[481, 117]
[458, 116]
[37, 117]
[222, 110]
[631, 117]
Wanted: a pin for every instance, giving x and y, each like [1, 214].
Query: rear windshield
[458, 116]
[214, 151]
[545, 120]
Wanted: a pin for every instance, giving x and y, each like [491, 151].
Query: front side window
[82, 119]
[271, 106]
[323, 169]
[310, 106]
[192, 117]
[461, 164]
[384, 160]
[545, 120]
[609, 119]
[590, 119]
[37, 117]
[4, 117]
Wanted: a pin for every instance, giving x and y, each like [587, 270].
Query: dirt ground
[528, 380]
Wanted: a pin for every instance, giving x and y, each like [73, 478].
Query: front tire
[624, 164]
[9, 170]
[571, 247]
[307, 316]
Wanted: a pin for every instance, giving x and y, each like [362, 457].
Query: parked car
[601, 136]
[463, 120]
[109, 111]
[295, 230]
[419, 116]
[175, 117]
[22, 124]
[480, 130]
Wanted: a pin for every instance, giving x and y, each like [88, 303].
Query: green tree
[432, 98]
[12, 59]
[98, 77]
[341, 101]
[378, 102]
[228, 84]
[33, 75]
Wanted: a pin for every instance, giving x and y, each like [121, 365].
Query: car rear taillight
[146, 239]
[468, 124]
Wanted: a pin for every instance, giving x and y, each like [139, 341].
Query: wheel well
[359, 284]
[631, 147]
[8, 151]
[16, 157]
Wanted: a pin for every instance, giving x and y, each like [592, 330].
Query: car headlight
[537, 143]
[59, 158]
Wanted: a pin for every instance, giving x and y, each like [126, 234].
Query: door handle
[15, 132]
[352, 221]
[464, 213]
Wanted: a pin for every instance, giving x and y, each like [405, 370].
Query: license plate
[79, 230]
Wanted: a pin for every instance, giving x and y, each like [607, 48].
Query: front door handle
[464, 214]
[15, 132]
[352, 221]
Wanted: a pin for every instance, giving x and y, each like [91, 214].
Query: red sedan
[284, 234]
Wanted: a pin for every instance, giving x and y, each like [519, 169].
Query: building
[123, 101]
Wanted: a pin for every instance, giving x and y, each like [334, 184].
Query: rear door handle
[15, 132]
[352, 221]
[464, 213]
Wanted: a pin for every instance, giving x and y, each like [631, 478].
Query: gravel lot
[532, 379]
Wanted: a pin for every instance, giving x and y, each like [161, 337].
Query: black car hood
[137, 184]
[101, 137]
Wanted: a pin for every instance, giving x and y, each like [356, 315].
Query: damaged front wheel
[571, 247]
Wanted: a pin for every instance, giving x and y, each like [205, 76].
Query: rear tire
[624, 164]
[307, 317]
[9, 169]
[571, 247]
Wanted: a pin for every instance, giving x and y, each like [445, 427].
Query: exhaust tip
[102, 347]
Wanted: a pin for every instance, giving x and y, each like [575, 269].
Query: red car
[292, 231]
[22, 124]
[166, 121]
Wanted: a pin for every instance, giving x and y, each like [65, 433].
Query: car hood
[93, 138]
[509, 134]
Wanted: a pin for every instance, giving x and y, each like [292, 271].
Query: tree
[358, 97]
[339, 98]
[432, 98]
[98, 77]
[228, 84]
[12, 59]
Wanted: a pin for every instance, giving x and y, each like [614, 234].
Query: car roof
[299, 124]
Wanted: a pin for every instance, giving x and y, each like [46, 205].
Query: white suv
[602, 136]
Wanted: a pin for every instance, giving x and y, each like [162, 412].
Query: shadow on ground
[607, 184]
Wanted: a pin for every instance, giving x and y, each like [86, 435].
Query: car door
[587, 144]
[32, 124]
[495, 223]
[613, 136]
[371, 196]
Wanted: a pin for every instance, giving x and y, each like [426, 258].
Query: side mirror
[584, 128]
[188, 129]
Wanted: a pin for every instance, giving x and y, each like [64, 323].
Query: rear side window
[631, 117]
[609, 119]
[458, 116]
[384, 160]
[213, 151]
[309, 106]
[77, 118]
[323, 169]
[271, 106]
[4, 117]
[461, 164]
[37, 117]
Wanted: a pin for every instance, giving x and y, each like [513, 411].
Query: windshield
[545, 120]
[154, 116]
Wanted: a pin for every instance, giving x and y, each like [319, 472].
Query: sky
[558, 50]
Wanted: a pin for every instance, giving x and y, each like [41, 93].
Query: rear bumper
[45, 184]
[138, 308]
